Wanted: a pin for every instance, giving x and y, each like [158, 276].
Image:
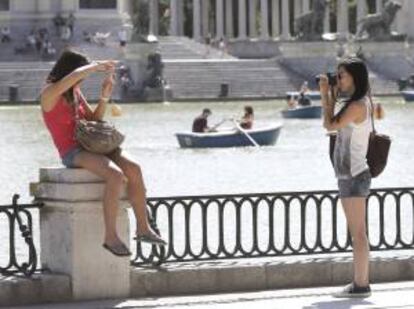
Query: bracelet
[105, 99]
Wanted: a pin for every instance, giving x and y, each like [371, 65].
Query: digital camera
[331, 78]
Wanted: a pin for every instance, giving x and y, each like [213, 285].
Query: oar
[218, 124]
[245, 133]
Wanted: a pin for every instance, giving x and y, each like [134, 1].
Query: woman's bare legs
[355, 213]
[101, 166]
[136, 190]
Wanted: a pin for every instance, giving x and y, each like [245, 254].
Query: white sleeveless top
[351, 147]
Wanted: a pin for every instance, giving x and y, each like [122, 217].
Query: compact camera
[331, 78]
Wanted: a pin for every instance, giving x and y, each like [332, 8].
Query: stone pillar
[72, 233]
[275, 18]
[362, 9]
[197, 20]
[229, 19]
[154, 18]
[297, 8]
[181, 17]
[252, 18]
[378, 5]
[285, 20]
[205, 6]
[174, 17]
[342, 16]
[264, 14]
[242, 19]
[326, 20]
[220, 18]
[305, 6]
[409, 9]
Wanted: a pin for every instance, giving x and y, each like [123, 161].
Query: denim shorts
[67, 159]
[358, 186]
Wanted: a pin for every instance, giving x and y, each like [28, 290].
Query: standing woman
[58, 108]
[353, 127]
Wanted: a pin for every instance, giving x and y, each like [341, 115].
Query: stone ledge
[41, 288]
[266, 273]
[67, 175]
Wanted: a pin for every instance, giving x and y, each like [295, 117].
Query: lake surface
[299, 161]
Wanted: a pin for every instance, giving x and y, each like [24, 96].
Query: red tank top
[60, 122]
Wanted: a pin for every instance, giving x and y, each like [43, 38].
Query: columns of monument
[285, 20]
[154, 18]
[229, 19]
[264, 14]
[205, 23]
[342, 18]
[220, 18]
[242, 19]
[252, 18]
[275, 18]
[197, 20]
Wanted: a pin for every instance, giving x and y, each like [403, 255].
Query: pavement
[387, 295]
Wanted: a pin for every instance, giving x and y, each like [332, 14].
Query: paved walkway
[390, 295]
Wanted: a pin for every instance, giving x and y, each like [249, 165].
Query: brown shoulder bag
[378, 147]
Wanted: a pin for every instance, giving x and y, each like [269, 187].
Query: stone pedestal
[72, 232]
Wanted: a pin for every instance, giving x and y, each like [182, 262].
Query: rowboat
[303, 112]
[408, 95]
[229, 138]
[313, 95]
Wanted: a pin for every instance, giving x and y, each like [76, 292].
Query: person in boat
[246, 121]
[304, 99]
[200, 124]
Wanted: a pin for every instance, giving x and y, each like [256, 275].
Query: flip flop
[118, 250]
[151, 238]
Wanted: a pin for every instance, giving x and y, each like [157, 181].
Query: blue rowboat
[408, 95]
[229, 138]
[305, 112]
[313, 95]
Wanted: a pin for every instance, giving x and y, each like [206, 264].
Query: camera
[331, 78]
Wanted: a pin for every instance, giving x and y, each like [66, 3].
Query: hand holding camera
[326, 82]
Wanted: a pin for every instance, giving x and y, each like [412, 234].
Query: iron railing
[19, 219]
[276, 224]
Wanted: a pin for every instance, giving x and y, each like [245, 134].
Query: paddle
[218, 124]
[245, 133]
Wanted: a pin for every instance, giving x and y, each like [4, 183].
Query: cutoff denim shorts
[358, 186]
[68, 158]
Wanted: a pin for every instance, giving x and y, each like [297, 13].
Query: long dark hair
[358, 70]
[68, 62]
[248, 110]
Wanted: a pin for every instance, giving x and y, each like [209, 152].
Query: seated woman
[247, 120]
[58, 99]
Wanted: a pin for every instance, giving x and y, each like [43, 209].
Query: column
[264, 18]
[205, 6]
[362, 9]
[327, 20]
[71, 233]
[378, 5]
[197, 20]
[275, 18]
[242, 19]
[174, 17]
[220, 18]
[342, 16]
[297, 8]
[285, 20]
[154, 18]
[252, 18]
[181, 17]
[229, 19]
[305, 6]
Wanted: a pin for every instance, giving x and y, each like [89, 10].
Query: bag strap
[372, 110]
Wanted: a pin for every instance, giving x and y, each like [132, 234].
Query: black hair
[359, 72]
[248, 110]
[68, 62]
[206, 111]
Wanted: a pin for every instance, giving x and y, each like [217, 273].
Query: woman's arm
[53, 91]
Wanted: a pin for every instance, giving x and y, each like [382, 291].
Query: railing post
[72, 232]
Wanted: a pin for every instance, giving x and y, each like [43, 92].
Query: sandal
[118, 250]
[151, 238]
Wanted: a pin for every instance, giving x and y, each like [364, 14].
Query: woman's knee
[133, 170]
[115, 176]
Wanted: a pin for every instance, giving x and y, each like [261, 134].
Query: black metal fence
[275, 224]
[18, 218]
